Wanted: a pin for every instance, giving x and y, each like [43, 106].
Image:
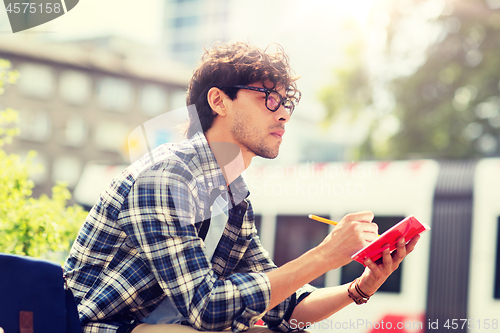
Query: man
[147, 260]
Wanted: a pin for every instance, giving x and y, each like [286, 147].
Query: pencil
[322, 219]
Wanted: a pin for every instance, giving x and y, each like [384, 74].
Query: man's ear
[217, 100]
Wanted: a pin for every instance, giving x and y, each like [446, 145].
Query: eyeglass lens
[273, 101]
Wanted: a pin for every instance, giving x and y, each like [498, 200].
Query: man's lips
[278, 133]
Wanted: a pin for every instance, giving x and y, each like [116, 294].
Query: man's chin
[266, 153]
[270, 156]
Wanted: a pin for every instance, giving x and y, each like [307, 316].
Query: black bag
[33, 297]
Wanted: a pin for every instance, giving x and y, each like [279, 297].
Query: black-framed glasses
[273, 98]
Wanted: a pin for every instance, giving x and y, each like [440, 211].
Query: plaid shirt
[140, 244]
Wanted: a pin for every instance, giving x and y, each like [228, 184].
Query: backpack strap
[26, 322]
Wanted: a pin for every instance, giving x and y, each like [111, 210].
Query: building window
[74, 132]
[354, 269]
[39, 166]
[184, 1]
[153, 100]
[114, 94]
[36, 81]
[75, 87]
[111, 136]
[66, 169]
[34, 125]
[179, 47]
[185, 21]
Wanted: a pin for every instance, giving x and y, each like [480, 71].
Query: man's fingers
[386, 254]
[366, 216]
[405, 249]
[376, 273]
[368, 231]
[360, 226]
[401, 250]
[411, 245]
[371, 265]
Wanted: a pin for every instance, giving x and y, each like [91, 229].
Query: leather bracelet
[361, 293]
[358, 300]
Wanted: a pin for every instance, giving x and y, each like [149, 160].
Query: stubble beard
[248, 138]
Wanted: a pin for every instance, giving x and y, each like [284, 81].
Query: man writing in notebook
[146, 260]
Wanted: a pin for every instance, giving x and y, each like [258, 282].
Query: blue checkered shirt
[140, 244]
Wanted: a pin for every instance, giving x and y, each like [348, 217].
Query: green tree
[38, 227]
[448, 105]
[350, 93]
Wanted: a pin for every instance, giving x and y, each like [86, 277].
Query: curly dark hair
[237, 63]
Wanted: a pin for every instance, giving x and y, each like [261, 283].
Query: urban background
[383, 82]
[380, 79]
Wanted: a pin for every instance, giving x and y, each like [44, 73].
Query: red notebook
[409, 228]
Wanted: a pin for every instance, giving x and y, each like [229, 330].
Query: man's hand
[376, 274]
[353, 232]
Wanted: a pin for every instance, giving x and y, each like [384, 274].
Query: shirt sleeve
[257, 259]
[159, 217]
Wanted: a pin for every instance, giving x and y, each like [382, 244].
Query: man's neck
[230, 159]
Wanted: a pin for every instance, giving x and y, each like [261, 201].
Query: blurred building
[79, 102]
[191, 25]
